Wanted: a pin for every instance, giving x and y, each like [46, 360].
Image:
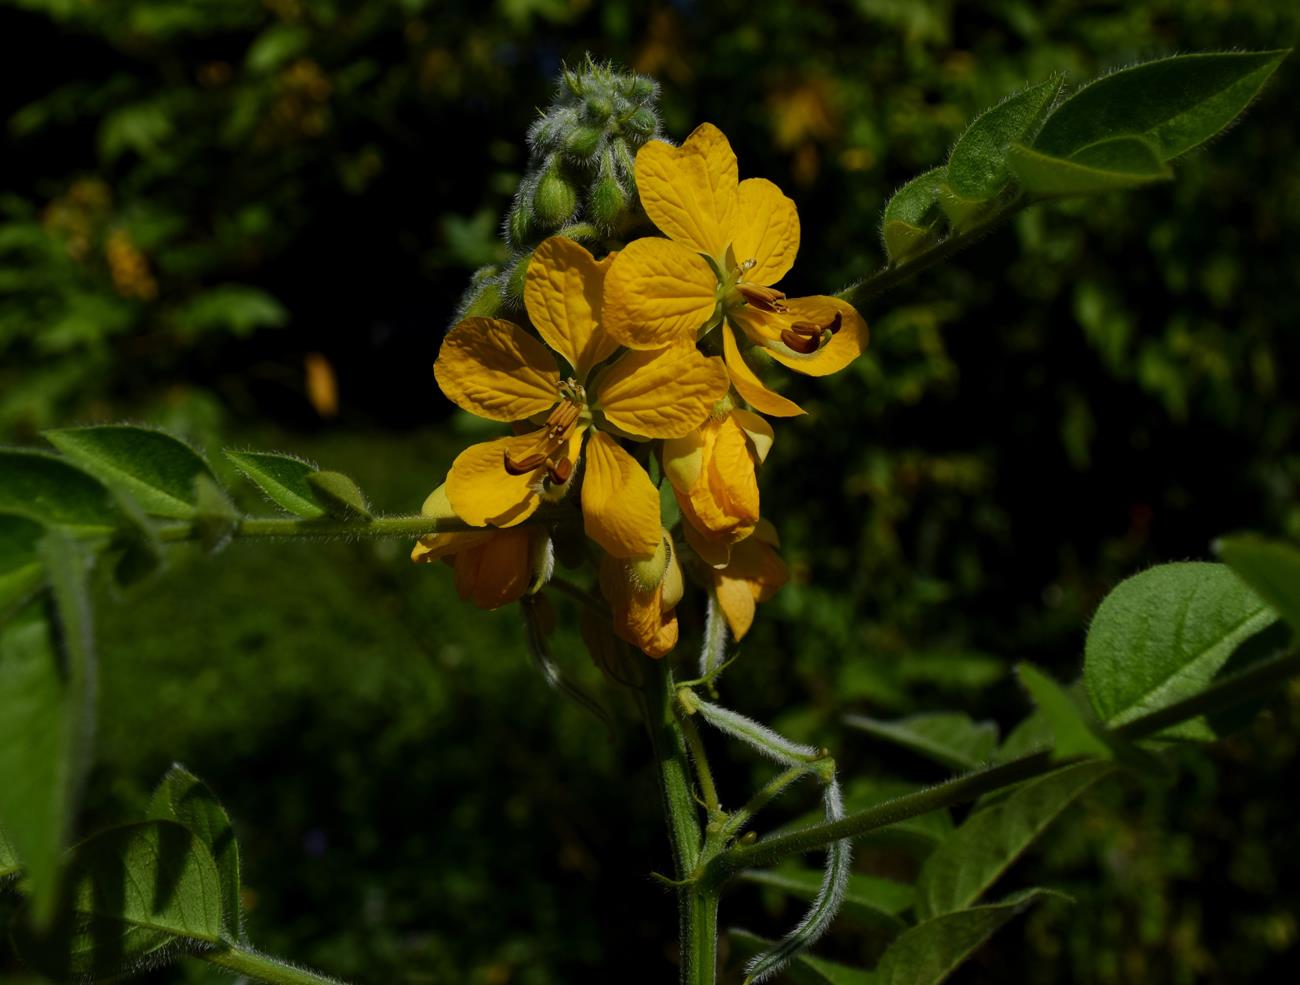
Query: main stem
[697, 906]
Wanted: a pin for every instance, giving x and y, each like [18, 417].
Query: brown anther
[807, 328]
[803, 344]
[560, 471]
[836, 322]
[762, 298]
[524, 465]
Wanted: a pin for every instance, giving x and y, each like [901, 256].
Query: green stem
[700, 941]
[694, 743]
[769, 792]
[871, 287]
[1258, 679]
[381, 526]
[263, 968]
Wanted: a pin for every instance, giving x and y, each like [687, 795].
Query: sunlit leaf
[950, 738]
[283, 478]
[991, 839]
[339, 495]
[1163, 635]
[154, 468]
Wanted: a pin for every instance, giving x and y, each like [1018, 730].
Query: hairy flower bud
[583, 141]
[606, 202]
[555, 198]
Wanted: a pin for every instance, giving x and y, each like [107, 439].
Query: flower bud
[599, 107]
[483, 299]
[583, 141]
[555, 198]
[643, 122]
[640, 88]
[606, 202]
[522, 224]
[514, 281]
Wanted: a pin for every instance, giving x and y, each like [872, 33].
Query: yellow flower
[492, 567]
[754, 575]
[712, 471]
[728, 242]
[643, 598]
[497, 370]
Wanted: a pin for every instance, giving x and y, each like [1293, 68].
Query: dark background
[196, 196]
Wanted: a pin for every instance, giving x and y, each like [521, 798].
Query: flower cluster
[634, 379]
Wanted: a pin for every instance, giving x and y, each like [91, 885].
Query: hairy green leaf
[1111, 165]
[869, 900]
[804, 969]
[1174, 103]
[154, 468]
[912, 217]
[9, 863]
[950, 738]
[1163, 635]
[283, 479]
[1269, 567]
[977, 166]
[21, 573]
[988, 841]
[931, 951]
[183, 797]
[132, 896]
[1074, 733]
[49, 490]
[340, 495]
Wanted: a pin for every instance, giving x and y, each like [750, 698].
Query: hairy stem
[700, 942]
[1255, 680]
[703, 774]
[263, 968]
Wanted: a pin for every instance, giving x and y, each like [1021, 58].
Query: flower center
[804, 337]
[553, 437]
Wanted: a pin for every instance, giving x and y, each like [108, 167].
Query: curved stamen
[762, 298]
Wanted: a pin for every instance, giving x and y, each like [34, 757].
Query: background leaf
[1163, 635]
[988, 841]
[283, 478]
[133, 894]
[804, 969]
[950, 738]
[1175, 103]
[1269, 567]
[9, 863]
[154, 468]
[869, 900]
[930, 952]
[51, 491]
[20, 566]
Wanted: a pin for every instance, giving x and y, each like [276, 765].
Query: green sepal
[912, 216]
[133, 897]
[1113, 164]
[341, 497]
[155, 469]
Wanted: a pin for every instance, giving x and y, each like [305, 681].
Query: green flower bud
[521, 223]
[555, 198]
[482, 300]
[599, 107]
[606, 201]
[640, 88]
[643, 122]
[515, 279]
[584, 141]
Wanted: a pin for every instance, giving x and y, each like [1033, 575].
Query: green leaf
[950, 738]
[185, 798]
[21, 573]
[1074, 733]
[283, 479]
[341, 497]
[912, 216]
[961, 212]
[1112, 165]
[1174, 103]
[155, 469]
[931, 951]
[9, 864]
[1269, 567]
[215, 516]
[1163, 635]
[804, 969]
[869, 900]
[133, 896]
[47, 699]
[977, 166]
[235, 308]
[51, 491]
[988, 841]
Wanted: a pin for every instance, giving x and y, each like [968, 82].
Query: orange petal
[731, 475]
[690, 192]
[658, 293]
[480, 489]
[749, 386]
[496, 571]
[766, 231]
[737, 604]
[639, 616]
[563, 294]
[620, 505]
[496, 370]
[842, 348]
[663, 394]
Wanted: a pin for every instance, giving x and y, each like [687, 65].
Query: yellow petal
[639, 617]
[737, 604]
[749, 386]
[683, 458]
[620, 505]
[496, 571]
[766, 231]
[754, 575]
[842, 348]
[431, 547]
[563, 294]
[690, 191]
[496, 370]
[658, 293]
[662, 394]
[731, 475]
[758, 431]
[713, 549]
[480, 489]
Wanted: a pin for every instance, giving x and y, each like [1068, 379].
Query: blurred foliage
[221, 213]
